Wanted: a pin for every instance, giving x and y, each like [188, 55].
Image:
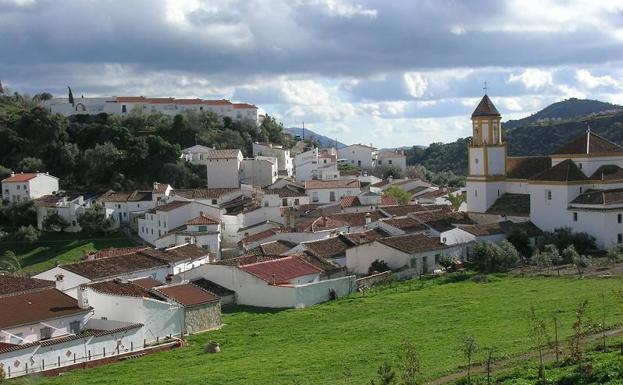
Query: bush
[55, 222]
[27, 234]
[94, 220]
[378, 266]
[563, 237]
[17, 214]
[491, 258]
[519, 238]
[399, 194]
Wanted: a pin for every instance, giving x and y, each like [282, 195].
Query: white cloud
[586, 79]
[416, 84]
[341, 8]
[532, 78]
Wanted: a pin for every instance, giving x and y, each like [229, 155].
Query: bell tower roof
[485, 108]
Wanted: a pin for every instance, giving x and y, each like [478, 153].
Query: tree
[27, 234]
[446, 262]
[469, 347]
[581, 262]
[509, 256]
[30, 164]
[564, 236]
[21, 213]
[55, 222]
[490, 258]
[94, 220]
[520, 239]
[541, 259]
[569, 254]
[456, 200]
[70, 96]
[410, 365]
[399, 194]
[613, 254]
[385, 375]
[378, 266]
[9, 263]
[489, 353]
[575, 342]
[537, 331]
[4, 172]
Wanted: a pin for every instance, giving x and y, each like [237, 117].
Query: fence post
[59, 361]
[42, 364]
[26, 367]
[131, 346]
[74, 358]
[104, 348]
[89, 355]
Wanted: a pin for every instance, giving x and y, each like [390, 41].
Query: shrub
[27, 234]
[94, 220]
[491, 258]
[613, 254]
[55, 222]
[378, 266]
[564, 237]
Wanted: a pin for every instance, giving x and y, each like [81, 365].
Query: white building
[392, 158]
[577, 186]
[260, 171]
[125, 105]
[67, 206]
[31, 185]
[359, 155]
[285, 163]
[125, 207]
[330, 191]
[223, 168]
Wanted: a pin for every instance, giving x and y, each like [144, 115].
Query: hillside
[324, 141]
[563, 110]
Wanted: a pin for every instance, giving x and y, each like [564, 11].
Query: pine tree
[71, 96]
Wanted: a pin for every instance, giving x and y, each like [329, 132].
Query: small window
[619, 238]
[124, 108]
[548, 195]
[45, 333]
[284, 202]
[619, 218]
[18, 187]
[203, 228]
[498, 192]
[476, 193]
[214, 201]
[391, 161]
[575, 217]
[580, 165]
[74, 327]
[332, 196]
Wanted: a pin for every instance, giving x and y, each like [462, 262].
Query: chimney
[156, 184]
[83, 301]
[12, 173]
[60, 282]
[368, 218]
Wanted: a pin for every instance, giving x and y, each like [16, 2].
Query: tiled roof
[357, 219]
[247, 259]
[565, 171]
[600, 197]
[442, 219]
[413, 243]
[10, 284]
[350, 201]
[485, 229]
[364, 236]
[187, 294]
[285, 192]
[321, 223]
[259, 236]
[245, 106]
[147, 282]
[436, 193]
[528, 227]
[388, 200]
[485, 108]
[202, 220]
[213, 287]
[126, 196]
[124, 289]
[22, 177]
[401, 211]
[114, 266]
[114, 252]
[329, 248]
[282, 270]
[511, 204]
[276, 247]
[407, 224]
[589, 143]
[223, 154]
[204, 193]
[331, 184]
[160, 188]
[188, 251]
[391, 154]
[35, 306]
[168, 207]
[524, 167]
[382, 183]
[608, 173]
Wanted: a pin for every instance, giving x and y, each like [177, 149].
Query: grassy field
[319, 345]
[61, 247]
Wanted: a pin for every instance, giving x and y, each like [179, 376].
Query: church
[580, 185]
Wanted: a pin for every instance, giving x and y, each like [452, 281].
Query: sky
[388, 72]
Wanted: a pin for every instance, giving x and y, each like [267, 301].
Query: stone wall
[202, 317]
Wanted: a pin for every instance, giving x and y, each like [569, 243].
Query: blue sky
[393, 73]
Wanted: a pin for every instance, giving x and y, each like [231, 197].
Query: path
[549, 355]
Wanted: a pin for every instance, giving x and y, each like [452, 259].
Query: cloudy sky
[389, 72]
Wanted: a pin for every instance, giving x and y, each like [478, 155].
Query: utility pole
[303, 130]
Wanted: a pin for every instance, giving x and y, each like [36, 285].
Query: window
[548, 195]
[619, 238]
[391, 161]
[580, 190]
[18, 187]
[296, 202]
[284, 202]
[74, 327]
[619, 218]
[203, 228]
[580, 165]
[124, 109]
[315, 196]
[575, 217]
[476, 193]
[214, 201]
[381, 162]
[332, 196]
[45, 333]
[498, 192]
[265, 203]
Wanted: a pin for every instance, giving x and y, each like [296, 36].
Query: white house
[223, 168]
[196, 154]
[417, 252]
[329, 191]
[277, 282]
[392, 158]
[259, 171]
[305, 163]
[359, 155]
[31, 185]
[125, 207]
[201, 231]
[285, 162]
[67, 206]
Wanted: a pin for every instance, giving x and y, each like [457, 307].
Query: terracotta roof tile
[126, 196]
[401, 211]
[485, 108]
[329, 248]
[259, 236]
[524, 167]
[276, 247]
[212, 287]
[589, 143]
[247, 259]
[188, 251]
[114, 266]
[114, 252]
[124, 289]
[600, 197]
[187, 294]
[204, 193]
[565, 171]
[608, 173]
[407, 224]
[350, 201]
[22, 177]
[33, 307]
[332, 184]
[11, 284]
[282, 270]
[286, 191]
[168, 207]
[223, 154]
[511, 204]
[202, 220]
[413, 243]
[147, 282]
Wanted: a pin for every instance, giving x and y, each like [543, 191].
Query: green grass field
[61, 247]
[356, 334]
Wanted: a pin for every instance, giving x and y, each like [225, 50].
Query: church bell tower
[487, 158]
